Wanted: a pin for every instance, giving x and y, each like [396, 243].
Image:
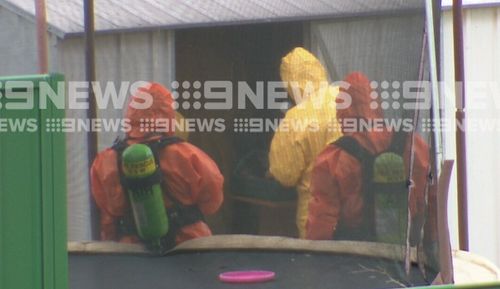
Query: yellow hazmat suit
[306, 129]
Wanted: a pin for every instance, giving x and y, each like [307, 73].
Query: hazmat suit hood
[363, 106]
[304, 75]
[160, 109]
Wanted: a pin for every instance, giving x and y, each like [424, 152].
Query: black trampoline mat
[294, 270]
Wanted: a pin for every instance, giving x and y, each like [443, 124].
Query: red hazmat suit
[191, 175]
[336, 181]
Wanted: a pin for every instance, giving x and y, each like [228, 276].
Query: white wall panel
[482, 66]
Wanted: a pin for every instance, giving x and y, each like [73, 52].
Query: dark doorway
[249, 53]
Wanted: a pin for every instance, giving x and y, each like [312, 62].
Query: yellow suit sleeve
[286, 157]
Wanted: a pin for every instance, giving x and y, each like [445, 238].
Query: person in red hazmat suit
[339, 205]
[293, 150]
[189, 178]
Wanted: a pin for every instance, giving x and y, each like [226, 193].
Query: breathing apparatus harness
[384, 191]
[144, 183]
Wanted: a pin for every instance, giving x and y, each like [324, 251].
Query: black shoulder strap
[158, 144]
[168, 140]
[398, 143]
[119, 145]
[352, 147]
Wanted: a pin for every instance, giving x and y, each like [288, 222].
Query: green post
[468, 286]
[33, 252]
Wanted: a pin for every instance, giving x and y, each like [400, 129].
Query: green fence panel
[468, 286]
[33, 229]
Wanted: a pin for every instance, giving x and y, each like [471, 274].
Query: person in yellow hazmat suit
[306, 129]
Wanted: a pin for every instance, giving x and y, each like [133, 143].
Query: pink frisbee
[252, 276]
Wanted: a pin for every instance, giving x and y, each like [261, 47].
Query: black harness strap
[125, 225]
[352, 147]
[398, 143]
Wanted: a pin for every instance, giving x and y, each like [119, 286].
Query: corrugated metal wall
[482, 67]
[18, 51]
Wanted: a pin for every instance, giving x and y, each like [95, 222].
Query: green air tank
[145, 193]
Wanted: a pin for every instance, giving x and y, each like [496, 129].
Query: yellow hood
[303, 73]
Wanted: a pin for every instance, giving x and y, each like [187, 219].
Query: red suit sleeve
[107, 192]
[193, 177]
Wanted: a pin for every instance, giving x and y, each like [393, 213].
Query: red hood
[161, 108]
[362, 107]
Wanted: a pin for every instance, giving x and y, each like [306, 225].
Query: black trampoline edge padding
[200, 269]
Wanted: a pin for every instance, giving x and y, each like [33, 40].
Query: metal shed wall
[18, 51]
[66, 16]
